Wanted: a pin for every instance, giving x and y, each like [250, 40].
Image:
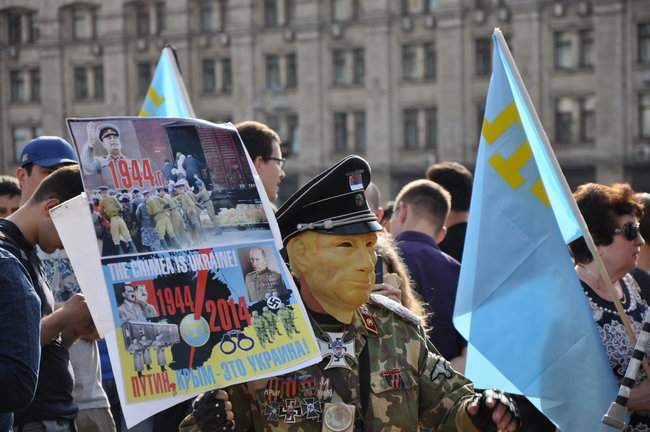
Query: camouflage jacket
[410, 384]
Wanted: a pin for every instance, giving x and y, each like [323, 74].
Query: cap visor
[52, 162]
[355, 228]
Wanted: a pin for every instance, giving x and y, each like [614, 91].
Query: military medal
[311, 408]
[291, 410]
[337, 350]
[272, 412]
[338, 417]
[368, 320]
[393, 378]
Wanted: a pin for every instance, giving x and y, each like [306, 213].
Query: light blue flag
[167, 95]
[519, 304]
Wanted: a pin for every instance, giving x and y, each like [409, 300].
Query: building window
[358, 66]
[586, 38]
[410, 125]
[411, 7]
[644, 115]
[344, 10]
[208, 76]
[574, 49]
[212, 15]
[150, 18]
[483, 56]
[144, 78]
[17, 83]
[270, 13]
[565, 120]
[409, 61]
[338, 65]
[348, 67]
[405, 7]
[587, 119]
[226, 76]
[289, 11]
[360, 145]
[142, 20]
[429, 61]
[161, 17]
[83, 22]
[25, 85]
[14, 28]
[292, 71]
[20, 26]
[431, 5]
[643, 40]
[431, 128]
[98, 79]
[575, 119]
[80, 83]
[563, 50]
[340, 132]
[84, 76]
[273, 72]
[206, 15]
[479, 111]
[35, 85]
[21, 135]
[292, 141]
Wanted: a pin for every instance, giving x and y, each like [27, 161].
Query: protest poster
[199, 299]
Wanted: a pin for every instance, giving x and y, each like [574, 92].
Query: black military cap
[107, 128]
[333, 202]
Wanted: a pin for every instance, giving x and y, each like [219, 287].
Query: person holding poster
[379, 369]
[59, 327]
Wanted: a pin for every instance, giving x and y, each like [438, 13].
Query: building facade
[401, 82]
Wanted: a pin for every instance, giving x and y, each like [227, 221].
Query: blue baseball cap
[47, 151]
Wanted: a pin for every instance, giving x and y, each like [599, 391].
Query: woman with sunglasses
[611, 214]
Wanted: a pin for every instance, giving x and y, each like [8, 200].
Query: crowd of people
[334, 229]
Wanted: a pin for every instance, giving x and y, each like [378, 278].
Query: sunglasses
[629, 230]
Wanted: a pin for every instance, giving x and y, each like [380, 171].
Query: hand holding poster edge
[75, 227]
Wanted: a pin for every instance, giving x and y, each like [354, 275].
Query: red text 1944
[134, 173]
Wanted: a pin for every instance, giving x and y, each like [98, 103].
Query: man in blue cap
[39, 158]
[56, 398]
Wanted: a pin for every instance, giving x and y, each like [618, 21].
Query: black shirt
[454, 241]
[55, 383]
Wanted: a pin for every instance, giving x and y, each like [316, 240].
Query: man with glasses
[263, 146]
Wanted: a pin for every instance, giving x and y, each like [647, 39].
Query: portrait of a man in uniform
[262, 280]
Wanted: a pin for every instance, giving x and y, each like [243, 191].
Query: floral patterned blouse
[612, 332]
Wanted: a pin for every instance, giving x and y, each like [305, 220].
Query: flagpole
[556, 167]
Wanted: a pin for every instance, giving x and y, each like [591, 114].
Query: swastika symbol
[273, 302]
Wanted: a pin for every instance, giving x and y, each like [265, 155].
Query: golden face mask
[336, 271]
